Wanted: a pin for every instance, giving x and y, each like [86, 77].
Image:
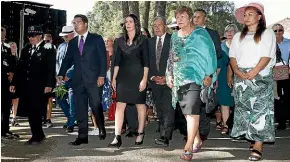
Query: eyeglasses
[280, 30]
[76, 22]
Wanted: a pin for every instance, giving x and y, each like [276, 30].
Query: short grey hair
[280, 25]
[231, 26]
[160, 18]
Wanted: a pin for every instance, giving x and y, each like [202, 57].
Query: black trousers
[180, 121]
[32, 100]
[85, 95]
[204, 122]
[166, 114]
[131, 118]
[282, 106]
[6, 99]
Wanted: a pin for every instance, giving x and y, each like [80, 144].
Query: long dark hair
[138, 32]
[147, 32]
[260, 29]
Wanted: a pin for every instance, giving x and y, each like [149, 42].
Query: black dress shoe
[12, 134]
[32, 141]
[162, 142]
[131, 134]
[70, 129]
[79, 141]
[102, 134]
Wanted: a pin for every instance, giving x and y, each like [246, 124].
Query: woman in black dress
[130, 76]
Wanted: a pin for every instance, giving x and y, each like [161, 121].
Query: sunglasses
[280, 30]
[174, 28]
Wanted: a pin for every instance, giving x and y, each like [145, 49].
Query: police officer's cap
[34, 30]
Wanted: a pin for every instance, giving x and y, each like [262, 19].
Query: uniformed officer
[8, 63]
[35, 76]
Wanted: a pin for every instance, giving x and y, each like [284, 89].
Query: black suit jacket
[89, 65]
[38, 68]
[164, 57]
[216, 40]
[8, 64]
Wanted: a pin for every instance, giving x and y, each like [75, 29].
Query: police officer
[8, 63]
[35, 76]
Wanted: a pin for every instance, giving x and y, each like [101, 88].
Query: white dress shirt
[84, 38]
[33, 50]
[162, 40]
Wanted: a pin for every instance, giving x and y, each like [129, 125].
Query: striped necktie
[158, 52]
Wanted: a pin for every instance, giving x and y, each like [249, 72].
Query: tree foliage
[105, 16]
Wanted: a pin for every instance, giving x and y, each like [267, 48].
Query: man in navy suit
[87, 52]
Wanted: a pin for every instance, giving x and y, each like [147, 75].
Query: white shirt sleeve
[268, 44]
[234, 45]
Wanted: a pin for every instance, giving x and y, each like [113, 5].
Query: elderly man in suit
[159, 47]
[87, 52]
[34, 78]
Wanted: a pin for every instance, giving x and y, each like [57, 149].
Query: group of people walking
[177, 68]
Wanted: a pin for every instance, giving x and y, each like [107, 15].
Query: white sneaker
[94, 132]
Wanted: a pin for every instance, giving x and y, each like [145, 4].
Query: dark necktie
[158, 52]
[81, 45]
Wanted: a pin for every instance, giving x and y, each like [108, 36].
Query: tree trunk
[155, 9]
[134, 8]
[125, 8]
[161, 8]
[146, 14]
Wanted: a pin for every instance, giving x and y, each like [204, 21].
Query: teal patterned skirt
[254, 108]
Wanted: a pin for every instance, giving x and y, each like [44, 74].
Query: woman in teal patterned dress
[191, 65]
[224, 91]
[252, 56]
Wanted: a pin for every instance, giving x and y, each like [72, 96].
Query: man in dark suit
[35, 77]
[8, 63]
[87, 52]
[199, 19]
[159, 47]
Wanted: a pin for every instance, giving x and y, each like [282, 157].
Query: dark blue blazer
[89, 65]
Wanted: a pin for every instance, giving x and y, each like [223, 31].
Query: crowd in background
[182, 75]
